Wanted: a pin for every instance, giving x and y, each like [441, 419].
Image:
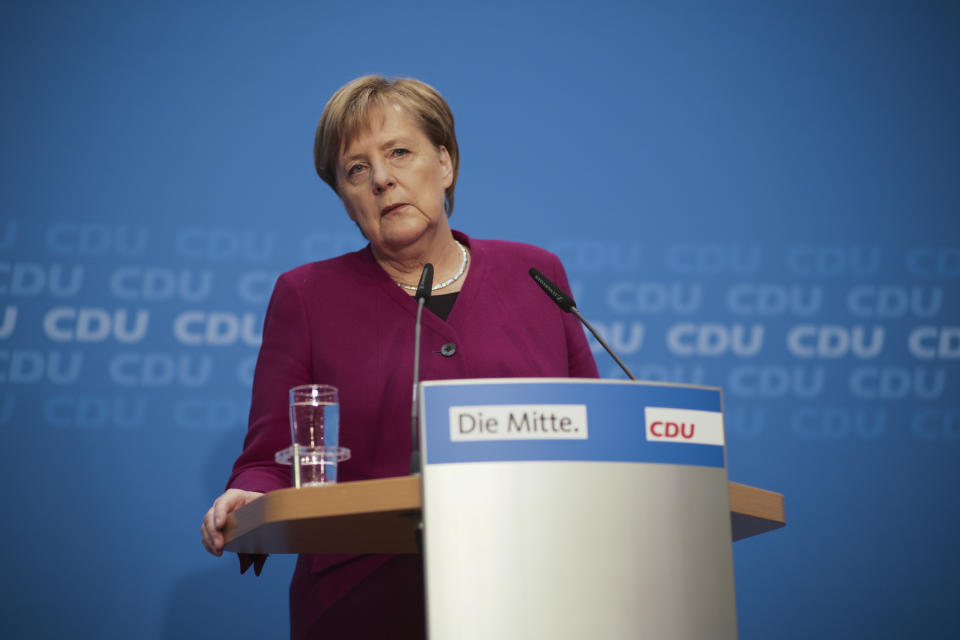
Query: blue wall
[762, 196]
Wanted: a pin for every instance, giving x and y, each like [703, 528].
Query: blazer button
[448, 350]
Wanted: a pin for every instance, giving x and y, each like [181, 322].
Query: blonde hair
[347, 114]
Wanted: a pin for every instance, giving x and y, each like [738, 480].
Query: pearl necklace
[445, 283]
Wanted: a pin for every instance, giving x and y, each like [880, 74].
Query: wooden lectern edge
[382, 495]
[752, 510]
[758, 502]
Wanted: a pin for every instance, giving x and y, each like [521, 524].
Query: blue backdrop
[762, 196]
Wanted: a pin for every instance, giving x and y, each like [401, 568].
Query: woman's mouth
[387, 210]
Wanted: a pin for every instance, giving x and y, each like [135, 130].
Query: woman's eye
[399, 153]
[355, 170]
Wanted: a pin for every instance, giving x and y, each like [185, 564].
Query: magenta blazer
[344, 322]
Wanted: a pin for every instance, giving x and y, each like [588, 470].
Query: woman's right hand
[211, 531]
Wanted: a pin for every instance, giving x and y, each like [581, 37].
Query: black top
[442, 305]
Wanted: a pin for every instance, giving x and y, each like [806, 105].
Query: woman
[389, 150]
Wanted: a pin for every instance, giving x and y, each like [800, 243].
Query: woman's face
[392, 180]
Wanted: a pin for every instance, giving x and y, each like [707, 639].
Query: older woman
[389, 150]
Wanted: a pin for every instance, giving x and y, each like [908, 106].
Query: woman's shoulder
[329, 273]
[511, 252]
[330, 267]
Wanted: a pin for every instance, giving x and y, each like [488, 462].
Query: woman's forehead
[374, 117]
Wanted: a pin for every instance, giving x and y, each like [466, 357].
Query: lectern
[551, 509]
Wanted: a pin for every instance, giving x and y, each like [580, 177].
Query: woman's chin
[397, 234]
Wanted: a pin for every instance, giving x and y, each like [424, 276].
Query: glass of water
[315, 432]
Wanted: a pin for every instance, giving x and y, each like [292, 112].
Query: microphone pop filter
[426, 283]
[562, 298]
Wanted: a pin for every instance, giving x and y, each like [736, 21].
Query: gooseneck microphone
[422, 295]
[565, 302]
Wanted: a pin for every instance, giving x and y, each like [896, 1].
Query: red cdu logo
[672, 430]
[688, 426]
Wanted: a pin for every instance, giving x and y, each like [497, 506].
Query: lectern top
[572, 420]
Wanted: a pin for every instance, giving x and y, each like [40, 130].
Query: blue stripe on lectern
[615, 417]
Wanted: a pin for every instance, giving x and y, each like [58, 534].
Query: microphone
[563, 299]
[424, 288]
[565, 302]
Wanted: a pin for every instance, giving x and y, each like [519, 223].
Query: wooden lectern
[381, 516]
[552, 508]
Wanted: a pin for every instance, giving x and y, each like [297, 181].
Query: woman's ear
[446, 166]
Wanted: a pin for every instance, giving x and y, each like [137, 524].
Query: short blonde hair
[347, 114]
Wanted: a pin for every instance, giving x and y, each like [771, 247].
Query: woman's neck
[444, 253]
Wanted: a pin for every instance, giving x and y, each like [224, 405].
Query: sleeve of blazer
[284, 362]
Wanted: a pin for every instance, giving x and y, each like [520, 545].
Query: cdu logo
[711, 259]
[683, 425]
[838, 423]
[932, 343]
[826, 261]
[774, 299]
[894, 302]
[157, 283]
[217, 328]
[33, 279]
[654, 297]
[224, 244]
[594, 256]
[30, 366]
[93, 324]
[85, 411]
[830, 341]
[96, 239]
[711, 339]
[775, 381]
[930, 262]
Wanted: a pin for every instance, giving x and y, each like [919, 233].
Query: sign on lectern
[568, 508]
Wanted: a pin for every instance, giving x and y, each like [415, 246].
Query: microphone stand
[565, 301]
[422, 295]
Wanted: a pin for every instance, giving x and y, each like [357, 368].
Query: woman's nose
[382, 176]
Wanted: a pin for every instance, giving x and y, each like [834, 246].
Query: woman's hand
[211, 531]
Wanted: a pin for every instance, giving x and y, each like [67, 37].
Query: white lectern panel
[531, 531]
